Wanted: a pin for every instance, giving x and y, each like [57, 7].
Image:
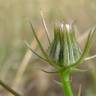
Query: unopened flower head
[64, 48]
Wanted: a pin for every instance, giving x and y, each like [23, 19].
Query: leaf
[79, 70]
[89, 58]
[79, 91]
[57, 82]
[56, 71]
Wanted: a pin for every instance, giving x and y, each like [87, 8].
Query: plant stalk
[66, 86]
[9, 89]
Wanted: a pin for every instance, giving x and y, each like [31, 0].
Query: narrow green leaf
[79, 70]
[59, 83]
[51, 72]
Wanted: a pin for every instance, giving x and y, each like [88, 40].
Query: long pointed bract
[41, 48]
[44, 24]
[86, 49]
[34, 52]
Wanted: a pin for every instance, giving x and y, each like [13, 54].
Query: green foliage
[64, 53]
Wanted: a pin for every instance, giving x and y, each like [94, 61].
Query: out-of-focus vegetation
[19, 68]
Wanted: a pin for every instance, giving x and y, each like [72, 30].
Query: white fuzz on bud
[68, 27]
[62, 26]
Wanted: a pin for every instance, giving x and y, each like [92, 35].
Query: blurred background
[19, 68]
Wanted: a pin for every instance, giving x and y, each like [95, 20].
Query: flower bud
[64, 49]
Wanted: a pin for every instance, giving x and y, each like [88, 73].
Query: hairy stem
[66, 86]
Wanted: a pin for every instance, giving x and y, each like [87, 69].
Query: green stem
[66, 86]
[9, 89]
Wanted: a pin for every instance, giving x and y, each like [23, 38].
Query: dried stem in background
[24, 64]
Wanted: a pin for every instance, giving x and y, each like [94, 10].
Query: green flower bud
[64, 49]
